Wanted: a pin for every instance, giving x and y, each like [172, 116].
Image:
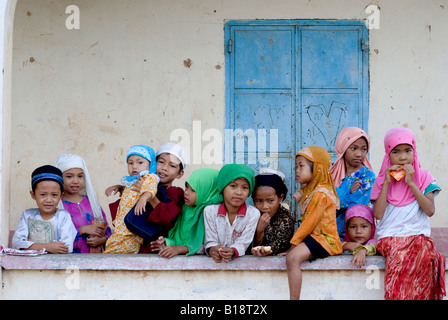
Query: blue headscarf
[144, 152]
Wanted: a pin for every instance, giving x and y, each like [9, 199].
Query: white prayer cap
[272, 171]
[175, 150]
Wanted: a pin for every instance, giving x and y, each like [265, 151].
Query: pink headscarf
[399, 194]
[346, 138]
[362, 211]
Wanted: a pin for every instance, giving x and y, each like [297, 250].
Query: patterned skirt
[414, 269]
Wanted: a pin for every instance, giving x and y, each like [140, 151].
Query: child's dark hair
[270, 180]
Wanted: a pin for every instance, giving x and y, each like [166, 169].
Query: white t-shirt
[407, 220]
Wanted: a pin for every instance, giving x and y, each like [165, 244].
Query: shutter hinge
[364, 45]
[229, 45]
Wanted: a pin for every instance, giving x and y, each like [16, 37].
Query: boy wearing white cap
[171, 162]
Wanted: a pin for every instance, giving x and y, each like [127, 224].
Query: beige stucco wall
[123, 79]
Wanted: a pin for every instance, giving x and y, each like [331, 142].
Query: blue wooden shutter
[261, 96]
[302, 80]
[333, 82]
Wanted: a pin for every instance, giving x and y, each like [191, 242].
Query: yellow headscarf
[321, 180]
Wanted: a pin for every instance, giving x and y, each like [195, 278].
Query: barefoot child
[359, 233]
[45, 227]
[351, 172]
[414, 269]
[230, 226]
[317, 236]
[85, 210]
[187, 235]
[140, 186]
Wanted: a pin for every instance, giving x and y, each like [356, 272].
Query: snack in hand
[398, 174]
[267, 249]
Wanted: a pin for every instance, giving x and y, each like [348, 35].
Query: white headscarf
[69, 161]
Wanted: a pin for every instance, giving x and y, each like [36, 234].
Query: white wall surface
[123, 78]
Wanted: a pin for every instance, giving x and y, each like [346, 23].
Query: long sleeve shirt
[63, 229]
[319, 221]
[167, 213]
[238, 235]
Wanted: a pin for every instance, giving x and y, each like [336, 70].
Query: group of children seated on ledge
[343, 207]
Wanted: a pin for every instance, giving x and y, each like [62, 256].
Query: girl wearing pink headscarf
[359, 233]
[414, 269]
[351, 172]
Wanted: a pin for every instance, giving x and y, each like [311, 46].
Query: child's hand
[214, 253]
[261, 251]
[140, 207]
[263, 222]
[113, 190]
[94, 241]
[226, 253]
[138, 185]
[409, 178]
[360, 258]
[351, 246]
[93, 230]
[56, 247]
[171, 251]
[158, 244]
[387, 177]
[355, 186]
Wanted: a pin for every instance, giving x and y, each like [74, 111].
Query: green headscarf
[189, 227]
[233, 171]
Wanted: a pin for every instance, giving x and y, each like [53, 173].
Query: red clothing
[414, 269]
[166, 213]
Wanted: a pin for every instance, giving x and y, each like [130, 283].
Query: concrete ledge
[104, 276]
[154, 262]
[148, 276]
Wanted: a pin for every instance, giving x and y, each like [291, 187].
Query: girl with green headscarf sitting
[230, 225]
[187, 235]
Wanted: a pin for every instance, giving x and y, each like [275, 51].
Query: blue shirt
[360, 196]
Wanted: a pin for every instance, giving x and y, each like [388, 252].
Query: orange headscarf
[321, 180]
[345, 139]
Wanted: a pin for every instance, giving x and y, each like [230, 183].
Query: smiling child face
[73, 180]
[47, 195]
